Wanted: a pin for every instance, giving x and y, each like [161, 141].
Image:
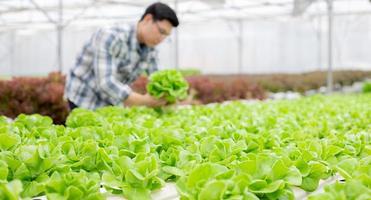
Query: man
[113, 58]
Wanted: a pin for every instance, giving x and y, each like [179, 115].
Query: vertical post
[319, 40]
[176, 38]
[12, 52]
[330, 47]
[60, 36]
[240, 45]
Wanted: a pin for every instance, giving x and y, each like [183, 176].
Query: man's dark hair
[161, 11]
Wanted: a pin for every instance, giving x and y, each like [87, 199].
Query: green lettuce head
[168, 84]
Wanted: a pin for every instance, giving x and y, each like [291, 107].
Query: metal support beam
[60, 36]
[12, 52]
[319, 42]
[54, 8]
[240, 45]
[176, 38]
[42, 11]
[330, 47]
[79, 15]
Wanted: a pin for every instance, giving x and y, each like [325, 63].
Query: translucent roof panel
[27, 13]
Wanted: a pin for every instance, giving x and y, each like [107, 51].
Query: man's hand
[190, 100]
[136, 99]
[153, 102]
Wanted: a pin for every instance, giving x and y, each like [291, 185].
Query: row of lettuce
[234, 151]
[44, 95]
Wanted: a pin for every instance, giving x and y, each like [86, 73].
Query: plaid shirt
[110, 61]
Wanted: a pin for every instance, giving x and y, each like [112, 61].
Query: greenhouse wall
[288, 45]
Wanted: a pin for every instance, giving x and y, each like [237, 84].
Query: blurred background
[227, 49]
[215, 36]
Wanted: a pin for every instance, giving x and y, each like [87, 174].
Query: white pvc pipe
[330, 47]
[176, 42]
[60, 36]
[240, 45]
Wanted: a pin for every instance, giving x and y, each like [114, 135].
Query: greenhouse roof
[36, 13]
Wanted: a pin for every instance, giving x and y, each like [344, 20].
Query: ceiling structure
[21, 14]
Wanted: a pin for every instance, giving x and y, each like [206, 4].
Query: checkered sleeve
[108, 46]
[152, 62]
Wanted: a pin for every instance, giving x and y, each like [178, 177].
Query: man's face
[155, 31]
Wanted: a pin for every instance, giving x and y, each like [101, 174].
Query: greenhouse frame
[244, 100]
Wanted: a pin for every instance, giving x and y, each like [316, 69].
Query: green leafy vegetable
[223, 151]
[168, 84]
